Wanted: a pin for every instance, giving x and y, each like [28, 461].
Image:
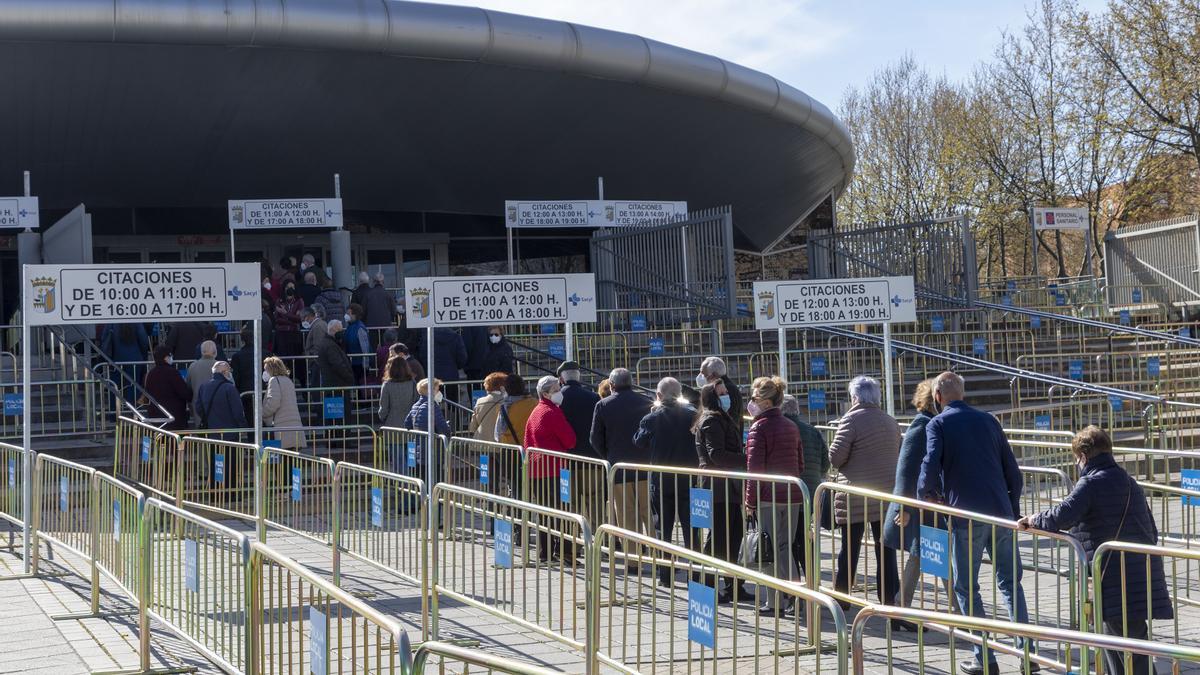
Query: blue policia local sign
[484, 469]
[935, 552]
[702, 614]
[502, 534]
[701, 508]
[564, 485]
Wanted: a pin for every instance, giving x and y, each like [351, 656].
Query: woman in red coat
[167, 387]
[547, 429]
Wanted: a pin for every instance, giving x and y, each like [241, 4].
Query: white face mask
[170, 360]
[306, 324]
[267, 285]
[495, 339]
[497, 392]
[701, 380]
[437, 398]
[228, 375]
[346, 318]
[266, 376]
[556, 398]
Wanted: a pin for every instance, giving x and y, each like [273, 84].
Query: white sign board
[486, 301]
[1060, 219]
[832, 302]
[66, 294]
[19, 212]
[266, 214]
[590, 213]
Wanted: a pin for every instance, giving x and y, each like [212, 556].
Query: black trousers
[885, 561]
[725, 537]
[1114, 661]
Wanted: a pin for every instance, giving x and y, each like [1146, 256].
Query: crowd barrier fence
[567, 482]
[1177, 513]
[1181, 569]
[12, 504]
[691, 625]
[1078, 648]
[379, 518]
[298, 493]
[1056, 592]
[524, 563]
[63, 504]
[404, 451]
[218, 476]
[148, 457]
[445, 653]
[487, 466]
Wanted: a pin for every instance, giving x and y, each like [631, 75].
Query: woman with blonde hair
[279, 407]
[773, 447]
[487, 409]
[900, 525]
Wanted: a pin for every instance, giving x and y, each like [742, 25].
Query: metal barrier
[567, 482]
[353, 443]
[1176, 513]
[1043, 488]
[12, 481]
[116, 540]
[1076, 647]
[217, 476]
[494, 468]
[301, 623]
[705, 499]
[403, 451]
[54, 405]
[149, 457]
[62, 507]
[445, 653]
[298, 493]
[1181, 569]
[379, 518]
[195, 582]
[497, 554]
[1057, 561]
[641, 628]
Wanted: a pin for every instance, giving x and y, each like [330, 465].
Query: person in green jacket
[816, 465]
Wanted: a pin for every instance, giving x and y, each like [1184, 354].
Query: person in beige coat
[487, 409]
[865, 450]
[279, 408]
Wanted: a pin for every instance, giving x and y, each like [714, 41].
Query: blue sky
[819, 46]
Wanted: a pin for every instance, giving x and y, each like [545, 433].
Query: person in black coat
[475, 339]
[667, 433]
[613, 425]
[1108, 505]
[719, 448]
[499, 356]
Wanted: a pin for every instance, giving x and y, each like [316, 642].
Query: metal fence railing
[520, 562]
[1079, 651]
[1132, 569]
[567, 482]
[149, 457]
[686, 628]
[63, 503]
[446, 656]
[298, 494]
[379, 518]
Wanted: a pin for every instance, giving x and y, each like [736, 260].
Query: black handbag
[758, 550]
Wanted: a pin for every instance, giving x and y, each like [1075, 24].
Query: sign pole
[887, 369]
[430, 427]
[260, 485]
[232, 249]
[26, 429]
[508, 231]
[569, 344]
[783, 353]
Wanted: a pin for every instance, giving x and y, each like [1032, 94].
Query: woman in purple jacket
[774, 447]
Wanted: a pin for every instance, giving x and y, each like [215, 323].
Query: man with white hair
[667, 433]
[379, 309]
[332, 360]
[199, 372]
[614, 424]
[713, 369]
[970, 466]
[359, 295]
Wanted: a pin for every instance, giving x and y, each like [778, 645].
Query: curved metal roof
[419, 106]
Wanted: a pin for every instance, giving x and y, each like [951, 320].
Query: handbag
[758, 550]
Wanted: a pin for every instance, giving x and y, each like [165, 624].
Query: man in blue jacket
[970, 466]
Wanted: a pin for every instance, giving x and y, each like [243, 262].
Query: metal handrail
[415, 664]
[116, 391]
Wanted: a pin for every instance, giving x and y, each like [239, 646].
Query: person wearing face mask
[970, 466]
[719, 447]
[218, 404]
[199, 373]
[332, 360]
[483, 418]
[774, 448]
[397, 394]
[331, 301]
[289, 343]
[499, 356]
[1107, 504]
[165, 385]
[713, 369]
[547, 429]
[308, 288]
[279, 407]
[357, 342]
[667, 433]
[315, 331]
[418, 415]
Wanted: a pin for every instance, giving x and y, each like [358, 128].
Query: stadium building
[154, 114]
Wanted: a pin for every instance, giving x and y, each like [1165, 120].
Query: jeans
[970, 540]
